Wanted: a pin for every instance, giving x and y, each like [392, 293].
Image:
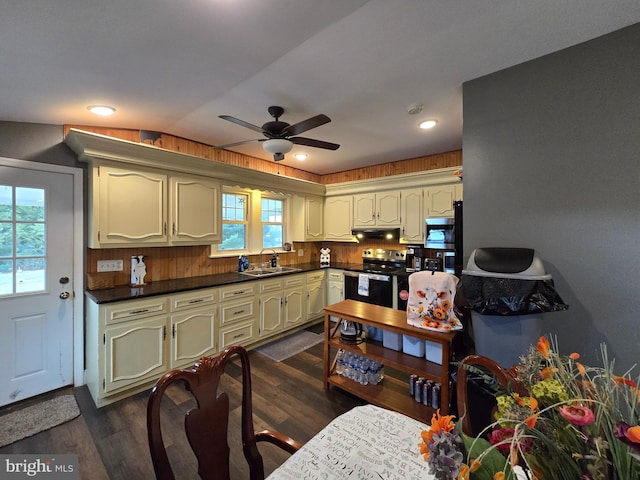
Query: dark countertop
[164, 287]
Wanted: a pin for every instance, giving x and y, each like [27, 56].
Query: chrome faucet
[262, 251]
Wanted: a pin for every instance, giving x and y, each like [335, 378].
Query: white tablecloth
[367, 442]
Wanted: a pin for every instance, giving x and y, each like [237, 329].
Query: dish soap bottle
[274, 261]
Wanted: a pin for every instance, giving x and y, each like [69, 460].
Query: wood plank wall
[165, 263]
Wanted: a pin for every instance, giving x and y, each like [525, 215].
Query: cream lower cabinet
[126, 347]
[282, 304]
[238, 321]
[193, 326]
[335, 287]
[316, 294]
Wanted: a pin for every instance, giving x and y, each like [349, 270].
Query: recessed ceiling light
[301, 156]
[102, 110]
[428, 124]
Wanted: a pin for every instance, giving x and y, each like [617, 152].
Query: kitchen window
[234, 221]
[272, 222]
[251, 220]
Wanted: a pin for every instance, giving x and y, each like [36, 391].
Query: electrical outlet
[110, 265]
[300, 252]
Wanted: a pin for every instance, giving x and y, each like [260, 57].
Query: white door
[36, 282]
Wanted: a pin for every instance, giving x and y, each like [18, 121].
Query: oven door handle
[372, 276]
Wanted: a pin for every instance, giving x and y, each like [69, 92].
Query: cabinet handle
[164, 332]
[136, 312]
[164, 228]
[173, 331]
[238, 312]
[197, 300]
[240, 335]
[173, 229]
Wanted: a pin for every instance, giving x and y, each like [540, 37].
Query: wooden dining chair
[206, 424]
[475, 396]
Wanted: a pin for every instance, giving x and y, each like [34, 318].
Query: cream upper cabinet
[412, 216]
[307, 219]
[338, 218]
[195, 210]
[439, 199]
[377, 209]
[131, 207]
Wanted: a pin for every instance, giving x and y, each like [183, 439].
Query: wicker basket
[98, 281]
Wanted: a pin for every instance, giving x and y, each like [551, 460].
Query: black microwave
[440, 233]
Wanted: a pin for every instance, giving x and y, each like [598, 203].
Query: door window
[23, 236]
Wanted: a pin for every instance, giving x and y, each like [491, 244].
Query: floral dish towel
[430, 302]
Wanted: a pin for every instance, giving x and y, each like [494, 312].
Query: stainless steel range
[378, 280]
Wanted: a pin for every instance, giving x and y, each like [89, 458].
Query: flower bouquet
[578, 423]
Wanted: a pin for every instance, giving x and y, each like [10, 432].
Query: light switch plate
[110, 265]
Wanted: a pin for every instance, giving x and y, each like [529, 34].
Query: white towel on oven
[430, 303]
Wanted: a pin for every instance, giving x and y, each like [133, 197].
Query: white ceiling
[174, 65]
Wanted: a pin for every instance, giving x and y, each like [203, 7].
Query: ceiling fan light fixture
[102, 110]
[427, 124]
[277, 145]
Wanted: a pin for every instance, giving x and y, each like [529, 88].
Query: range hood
[376, 233]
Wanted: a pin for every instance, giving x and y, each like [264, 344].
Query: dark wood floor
[111, 442]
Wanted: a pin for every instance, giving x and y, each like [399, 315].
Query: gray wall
[36, 142]
[552, 162]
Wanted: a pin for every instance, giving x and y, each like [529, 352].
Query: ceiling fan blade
[308, 124]
[310, 142]
[242, 123]
[227, 145]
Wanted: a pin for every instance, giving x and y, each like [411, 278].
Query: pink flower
[577, 414]
[506, 435]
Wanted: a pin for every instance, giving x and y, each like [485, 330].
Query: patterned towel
[430, 303]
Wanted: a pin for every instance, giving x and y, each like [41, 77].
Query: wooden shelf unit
[388, 393]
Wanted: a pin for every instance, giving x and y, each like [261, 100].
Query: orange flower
[446, 304]
[475, 465]
[574, 356]
[439, 313]
[531, 402]
[633, 434]
[581, 369]
[438, 424]
[548, 372]
[498, 476]
[464, 473]
[624, 381]
[531, 421]
[543, 346]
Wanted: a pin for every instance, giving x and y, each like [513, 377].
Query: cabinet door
[315, 300]
[315, 227]
[364, 210]
[412, 217]
[270, 314]
[294, 307]
[135, 352]
[195, 210]
[132, 207]
[338, 218]
[192, 335]
[388, 209]
[439, 200]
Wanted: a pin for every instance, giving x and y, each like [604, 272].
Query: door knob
[64, 280]
[64, 295]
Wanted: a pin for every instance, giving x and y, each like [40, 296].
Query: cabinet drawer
[336, 276]
[290, 281]
[271, 285]
[233, 312]
[134, 309]
[235, 291]
[194, 298]
[315, 276]
[241, 334]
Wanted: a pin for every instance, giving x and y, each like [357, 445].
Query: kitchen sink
[269, 272]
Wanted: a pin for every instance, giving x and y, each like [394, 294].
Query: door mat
[37, 418]
[289, 346]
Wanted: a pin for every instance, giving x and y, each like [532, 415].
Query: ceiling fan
[281, 136]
